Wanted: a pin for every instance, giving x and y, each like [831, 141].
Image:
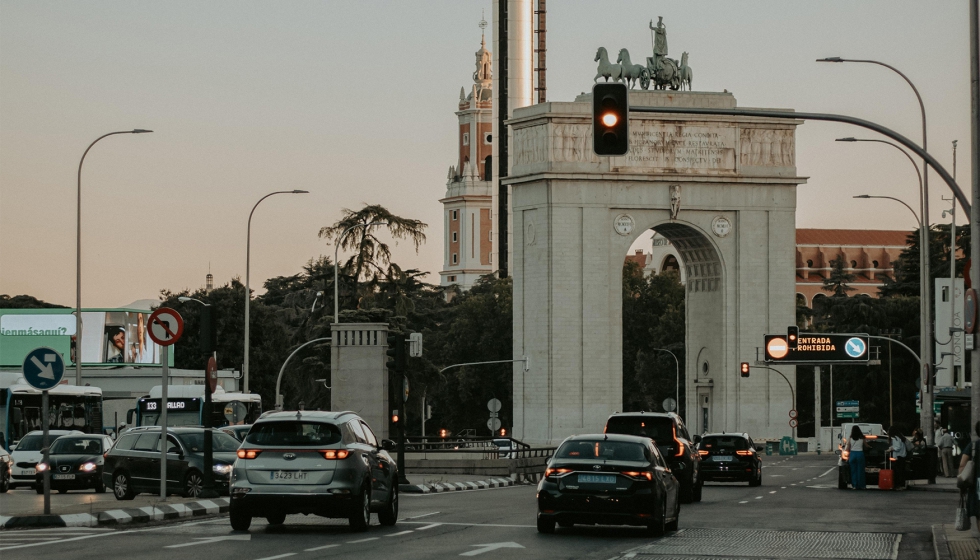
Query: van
[866, 428]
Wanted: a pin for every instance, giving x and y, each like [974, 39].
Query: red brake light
[335, 453]
[703, 452]
[744, 453]
[248, 453]
[636, 474]
[556, 472]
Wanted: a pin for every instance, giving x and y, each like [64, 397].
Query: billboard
[109, 336]
[822, 348]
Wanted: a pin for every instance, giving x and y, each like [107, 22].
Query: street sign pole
[164, 363]
[43, 369]
[47, 456]
[165, 327]
[210, 374]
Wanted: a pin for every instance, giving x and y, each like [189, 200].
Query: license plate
[63, 477]
[871, 469]
[722, 458]
[30, 472]
[597, 479]
[288, 475]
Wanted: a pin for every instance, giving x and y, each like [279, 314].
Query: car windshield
[220, 442]
[77, 446]
[31, 443]
[293, 433]
[601, 449]
[658, 429]
[711, 443]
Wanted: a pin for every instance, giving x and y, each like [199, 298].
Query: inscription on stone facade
[674, 148]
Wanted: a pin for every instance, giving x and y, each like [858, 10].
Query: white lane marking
[830, 470]
[773, 492]
[108, 533]
[400, 534]
[320, 547]
[490, 547]
[20, 538]
[476, 524]
[209, 540]
[758, 497]
[428, 527]
[363, 540]
[421, 516]
[279, 556]
[782, 487]
[745, 502]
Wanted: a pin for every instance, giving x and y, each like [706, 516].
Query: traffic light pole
[402, 478]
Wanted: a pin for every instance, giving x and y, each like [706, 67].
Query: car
[876, 458]
[730, 458]
[75, 463]
[674, 442]
[505, 448]
[238, 432]
[27, 454]
[132, 465]
[6, 463]
[313, 462]
[608, 479]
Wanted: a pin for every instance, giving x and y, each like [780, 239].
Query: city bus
[69, 407]
[185, 407]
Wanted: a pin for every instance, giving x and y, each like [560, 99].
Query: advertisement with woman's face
[124, 339]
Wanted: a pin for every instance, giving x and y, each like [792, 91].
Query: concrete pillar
[359, 378]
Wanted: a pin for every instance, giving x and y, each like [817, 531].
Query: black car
[133, 464]
[876, 458]
[670, 434]
[238, 431]
[606, 479]
[75, 463]
[730, 458]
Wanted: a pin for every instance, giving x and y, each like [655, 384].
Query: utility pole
[975, 210]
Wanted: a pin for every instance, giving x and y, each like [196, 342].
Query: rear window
[711, 443]
[293, 433]
[607, 450]
[660, 430]
[77, 446]
[220, 442]
[30, 443]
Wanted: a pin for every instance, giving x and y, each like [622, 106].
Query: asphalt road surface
[798, 512]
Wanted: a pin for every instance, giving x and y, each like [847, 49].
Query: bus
[70, 407]
[185, 407]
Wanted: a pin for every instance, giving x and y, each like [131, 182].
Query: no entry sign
[165, 326]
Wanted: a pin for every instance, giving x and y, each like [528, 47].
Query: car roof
[321, 415]
[645, 414]
[53, 432]
[170, 429]
[727, 434]
[609, 437]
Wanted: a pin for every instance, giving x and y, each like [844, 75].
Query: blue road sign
[848, 403]
[855, 347]
[44, 368]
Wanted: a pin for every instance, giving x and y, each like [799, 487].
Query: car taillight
[703, 452]
[744, 453]
[638, 475]
[248, 453]
[335, 453]
[556, 473]
[680, 445]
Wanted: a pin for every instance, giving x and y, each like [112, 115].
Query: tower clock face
[721, 226]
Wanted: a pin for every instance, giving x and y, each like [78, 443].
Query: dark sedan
[730, 458]
[875, 459]
[75, 463]
[608, 479]
[133, 464]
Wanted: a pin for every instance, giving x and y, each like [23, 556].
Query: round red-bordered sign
[970, 311]
[793, 422]
[777, 348]
[212, 373]
[165, 326]
[793, 413]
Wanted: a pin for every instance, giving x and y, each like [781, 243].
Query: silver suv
[312, 462]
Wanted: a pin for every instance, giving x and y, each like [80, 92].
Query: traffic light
[209, 332]
[745, 369]
[428, 412]
[792, 336]
[443, 433]
[503, 432]
[610, 119]
[395, 353]
[394, 416]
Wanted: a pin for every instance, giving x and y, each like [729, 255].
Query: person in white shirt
[855, 457]
[945, 444]
[899, 451]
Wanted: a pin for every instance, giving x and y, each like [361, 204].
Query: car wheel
[100, 486]
[360, 513]
[658, 526]
[686, 491]
[757, 481]
[240, 521]
[277, 519]
[672, 526]
[698, 489]
[4, 482]
[193, 483]
[39, 488]
[389, 515]
[546, 525]
[122, 487]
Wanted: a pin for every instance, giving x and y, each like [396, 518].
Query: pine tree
[837, 282]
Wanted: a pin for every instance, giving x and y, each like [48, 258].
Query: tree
[25, 302]
[907, 276]
[837, 282]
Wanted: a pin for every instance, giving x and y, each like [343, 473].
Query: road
[798, 512]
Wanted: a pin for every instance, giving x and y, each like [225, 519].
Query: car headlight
[87, 467]
[41, 467]
[221, 469]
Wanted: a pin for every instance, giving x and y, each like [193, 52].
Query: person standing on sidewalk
[945, 445]
[969, 454]
[855, 457]
[899, 451]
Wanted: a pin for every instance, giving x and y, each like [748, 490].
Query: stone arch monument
[721, 189]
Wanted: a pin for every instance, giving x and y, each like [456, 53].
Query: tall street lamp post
[248, 292]
[336, 248]
[78, 256]
[926, 342]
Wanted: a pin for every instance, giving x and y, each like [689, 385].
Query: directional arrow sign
[490, 547]
[43, 368]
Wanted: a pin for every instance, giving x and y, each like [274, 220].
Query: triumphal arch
[721, 189]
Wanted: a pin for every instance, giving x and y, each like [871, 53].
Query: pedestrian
[939, 430]
[969, 454]
[945, 445]
[899, 451]
[918, 442]
[855, 457]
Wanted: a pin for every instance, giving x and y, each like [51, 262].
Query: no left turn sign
[165, 326]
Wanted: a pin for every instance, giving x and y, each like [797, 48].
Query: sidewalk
[942, 485]
[951, 544]
[87, 510]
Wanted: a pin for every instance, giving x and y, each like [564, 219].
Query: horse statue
[632, 72]
[687, 75]
[606, 69]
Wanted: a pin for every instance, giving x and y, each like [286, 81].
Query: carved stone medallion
[721, 226]
[623, 224]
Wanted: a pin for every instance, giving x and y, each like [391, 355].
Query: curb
[940, 546]
[933, 488]
[456, 486]
[119, 516]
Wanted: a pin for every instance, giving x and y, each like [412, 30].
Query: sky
[355, 101]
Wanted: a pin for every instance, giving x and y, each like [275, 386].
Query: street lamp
[925, 347]
[207, 486]
[78, 256]
[336, 305]
[678, 373]
[248, 292]
[318, 294]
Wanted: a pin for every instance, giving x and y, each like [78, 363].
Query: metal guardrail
[484, 446]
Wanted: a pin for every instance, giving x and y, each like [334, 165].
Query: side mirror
[387, 445]
[129, 416]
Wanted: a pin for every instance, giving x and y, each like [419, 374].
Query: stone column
[358, 376]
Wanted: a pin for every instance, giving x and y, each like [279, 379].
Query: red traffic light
[610, 119]
[745, 369]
